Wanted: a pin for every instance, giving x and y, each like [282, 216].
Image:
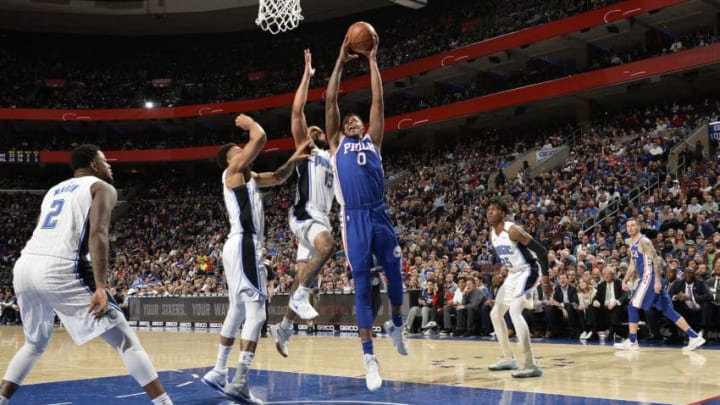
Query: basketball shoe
[395, 332]
[300, 304]
[372, 372]
[528, 372]
[694, 343]
[627, 345]
[239, 390]
[504, 364]
[281, 337]
[216, 380]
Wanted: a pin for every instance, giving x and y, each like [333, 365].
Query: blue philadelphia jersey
[359, 177]
[366, 227]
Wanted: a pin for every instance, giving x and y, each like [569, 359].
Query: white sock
[163, 399]
[287, 324]
[301, 291]
[3, 400]
[246, 359]
[222, 358]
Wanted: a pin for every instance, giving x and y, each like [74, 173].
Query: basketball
[361, 35]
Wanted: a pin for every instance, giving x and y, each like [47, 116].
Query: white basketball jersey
[514, 256]
[316, 184]
[63, 225]
[245, 209]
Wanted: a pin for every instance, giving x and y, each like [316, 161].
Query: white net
[278, 16]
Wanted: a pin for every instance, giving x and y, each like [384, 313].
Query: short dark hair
[83, 155]
[222, 155]
[500, 203]
[342, 121]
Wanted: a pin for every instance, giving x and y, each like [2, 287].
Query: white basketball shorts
[306, 228]
[45, 285]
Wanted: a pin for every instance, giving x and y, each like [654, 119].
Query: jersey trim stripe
[249, 261]
[344, 238]
[247, 243]
[338, 190]
[303, 192]
[246, 209]
[83, 267]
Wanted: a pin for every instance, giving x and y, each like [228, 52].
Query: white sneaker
[281, 337]
[694, 343]
[504, 364]
[585, 335]
[372, 373]
[395, 332]
[429, 325]
[215, 380]
[528, 372]
[239, 391]
[301, 306]
[627, 345]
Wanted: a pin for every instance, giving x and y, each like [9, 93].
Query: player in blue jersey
[649, 292]
[360, 190]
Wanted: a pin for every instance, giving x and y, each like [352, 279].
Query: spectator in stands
[607, 310]
[468, 319]
[563, 308]
[450, 308]
[692, 300]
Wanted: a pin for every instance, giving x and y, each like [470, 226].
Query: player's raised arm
[376, 127]
[252, 149]
[298, 123]
[332, 111]
[282, 173]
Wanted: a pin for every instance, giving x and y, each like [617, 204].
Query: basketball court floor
[327, 369]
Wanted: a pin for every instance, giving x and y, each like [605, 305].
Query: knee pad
[633, 314]
[37, 348]
[254, 320]
[127, 344]
[233, 320]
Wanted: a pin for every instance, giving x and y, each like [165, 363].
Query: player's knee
[37, 347]
[324, 244]
[633, 314]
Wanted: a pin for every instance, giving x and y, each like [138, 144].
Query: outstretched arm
[298, 124]
[282, 173]
[519, 235]
[376, 127]
[332, 111]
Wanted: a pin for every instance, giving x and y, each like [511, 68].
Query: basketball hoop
[278, 16]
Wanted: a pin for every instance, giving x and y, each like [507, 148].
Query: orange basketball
[361, 35]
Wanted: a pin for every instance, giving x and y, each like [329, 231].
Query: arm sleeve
[541, 254]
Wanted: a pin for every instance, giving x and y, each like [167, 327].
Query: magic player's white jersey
[64, 222]
[315, 186]
[245, 209]
[513, 255]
